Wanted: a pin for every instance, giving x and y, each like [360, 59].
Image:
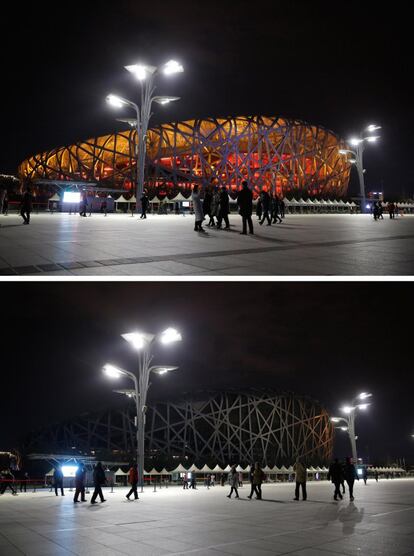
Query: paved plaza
[119, 245]
[205, 523]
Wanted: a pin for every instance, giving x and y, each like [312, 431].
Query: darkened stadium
[207, 427]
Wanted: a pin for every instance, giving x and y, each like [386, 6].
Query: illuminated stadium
[206, 427]
[288, 156]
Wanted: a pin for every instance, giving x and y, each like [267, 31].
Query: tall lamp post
[349, 421]
[359, 143]
[146, 75]
[143, 343]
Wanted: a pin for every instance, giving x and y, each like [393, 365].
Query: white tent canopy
[179, 198]
[227, 469]
[54, 198]
[205, 469]
[217, 469]
[165, 472]
[121, 473]
[179, 469]
[121, 199]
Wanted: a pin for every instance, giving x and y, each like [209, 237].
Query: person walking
[265, 197]
[282, 208]
[214, 206]
[198, 209]
[259, 208]
[276, 210]
[300, 473]
[375, 210]
[207, 201]
[6, 481]
[26, 206]
[80, 477]
[224, 209]
[58, 480]
[24, 479]
[391, 210]
[245, 204]
[234, 482]
[380, 210]
[5, 209]
[133, 481]
[350, 475]
[104, 207]
[185, 481]
[144, 205]
[376, 476]
[240, 478]
[99, 480]
[193, 483]
[335, 475]
[3, 195]
[365, 474]
[83, 205]
[256, 480]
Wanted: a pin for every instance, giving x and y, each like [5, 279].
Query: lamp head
[111, 371]
[335, 419]
[141, 71]
[115, 101]
[138, 340]
[373, 138]
[364, 395]
[165, 100]
[371, 128]
[163, 369]
[170, 336]
[363, 406]
[347, 409]
[172, 67]
[355, 141]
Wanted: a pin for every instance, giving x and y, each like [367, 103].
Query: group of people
[378, 210]
[270, 208]
[13, 481]
[99, 480]
[216, 204]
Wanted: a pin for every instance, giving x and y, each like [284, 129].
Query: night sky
[341, 65]
[326, 340]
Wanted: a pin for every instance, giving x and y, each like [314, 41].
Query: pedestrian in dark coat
[133, 481]
[207, 203]
[265, 198]
[198, 209]
[58, 480]
[144, 205]
[336, 476]
[80, 477]
[245, 204]
[282, 208]
[224, 209]
[6, 481]
[234, 482]
[193, 483]
[99, 480]
[215, 203]
[256, 479]
[259, 208]
[300, 476]
[27, 205]
[276, 210]
[350, 475]
[83, 205]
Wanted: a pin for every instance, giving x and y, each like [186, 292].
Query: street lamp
[357, 153]
[348, 422]
[146, 75]
[142, 342]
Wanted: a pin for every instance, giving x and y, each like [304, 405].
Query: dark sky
[326, 340]
[342, 65]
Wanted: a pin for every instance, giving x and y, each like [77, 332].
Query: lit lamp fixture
[146, 75]
[348, 422]
[357, 153]
[142, 342]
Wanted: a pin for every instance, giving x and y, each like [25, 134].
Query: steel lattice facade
[220, 428]
[287, 156]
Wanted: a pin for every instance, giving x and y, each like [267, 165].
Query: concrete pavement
[205, 522]
[119, 245]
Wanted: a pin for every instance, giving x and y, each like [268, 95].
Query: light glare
[347, 409]
[115, 101]
[354, 141]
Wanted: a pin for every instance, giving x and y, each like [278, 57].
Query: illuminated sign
[71, 197]
[69, 470]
